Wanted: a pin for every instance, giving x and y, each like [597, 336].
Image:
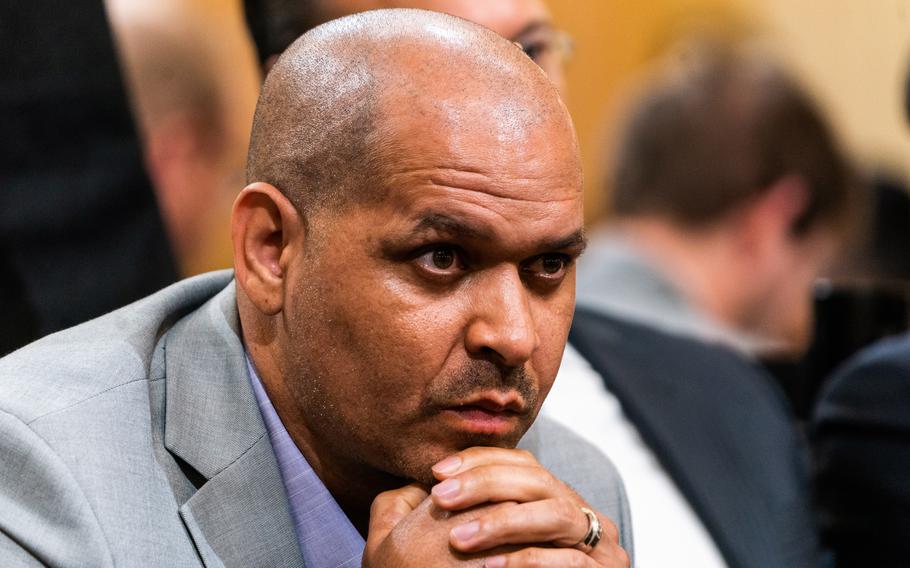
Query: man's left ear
[770, 218]
[267, 231]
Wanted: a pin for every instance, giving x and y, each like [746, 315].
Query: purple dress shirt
[325, 535]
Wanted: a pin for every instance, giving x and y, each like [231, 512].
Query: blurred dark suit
[861, 431]
[80, 231]
[720, 428]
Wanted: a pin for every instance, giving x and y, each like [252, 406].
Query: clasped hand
[492, 507]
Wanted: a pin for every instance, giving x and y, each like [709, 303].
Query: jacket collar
[239, 516]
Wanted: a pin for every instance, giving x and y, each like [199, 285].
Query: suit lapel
[239, 516]
[667, 387]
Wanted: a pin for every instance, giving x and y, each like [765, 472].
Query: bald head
[341, 102]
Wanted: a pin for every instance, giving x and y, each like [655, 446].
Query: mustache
[478, 376]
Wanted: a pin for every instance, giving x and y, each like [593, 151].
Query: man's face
[526, 22]
[785, 313]
[434, 318]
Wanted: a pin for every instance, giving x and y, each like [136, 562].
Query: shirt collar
[617, 277]
[324, 533]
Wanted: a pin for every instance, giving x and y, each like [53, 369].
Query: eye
[441, 261]
[552, 265]
[534, 50]
[443, 258]
[547, 268]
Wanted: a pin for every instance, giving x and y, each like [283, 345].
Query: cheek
[553, 320]
[391, 340]
[790, 314]
[802, 309]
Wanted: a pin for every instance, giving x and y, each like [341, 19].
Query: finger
[557, 521]
[390, 507]
[496, 483]
[543, 557]
[482, 455]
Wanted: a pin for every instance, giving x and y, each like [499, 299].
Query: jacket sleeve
[45, 518]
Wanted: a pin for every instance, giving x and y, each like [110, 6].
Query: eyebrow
[575, 243]
[451, 226]
[533, 27]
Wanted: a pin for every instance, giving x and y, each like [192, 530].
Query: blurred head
[728, 143]
[528, 22]
[192, 93]
[406, 292]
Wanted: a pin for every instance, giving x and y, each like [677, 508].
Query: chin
[464, 442]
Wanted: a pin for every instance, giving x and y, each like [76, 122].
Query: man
[276, 23]
[729, 195]
[401, 300]
[860, 435]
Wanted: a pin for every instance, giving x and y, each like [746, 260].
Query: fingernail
[466, 531]
[447, 489]
[495, 562]
[448, 465]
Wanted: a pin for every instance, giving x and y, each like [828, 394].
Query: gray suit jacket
[135, 439]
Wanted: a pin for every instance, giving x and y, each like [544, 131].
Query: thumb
[389, 508]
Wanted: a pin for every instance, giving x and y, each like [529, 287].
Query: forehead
[520, 146]
[516, 177]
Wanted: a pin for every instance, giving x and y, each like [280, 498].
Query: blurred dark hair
[720, 130]
[275, 24]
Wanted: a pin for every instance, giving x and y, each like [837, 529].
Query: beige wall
[851, 54]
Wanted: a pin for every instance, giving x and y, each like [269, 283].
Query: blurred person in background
[862, 299]
[730, 196]
[861, 428]
[861, 437]
[274, 24]
[193, 81]
[80, 230]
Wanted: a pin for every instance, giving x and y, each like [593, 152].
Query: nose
[502, 328]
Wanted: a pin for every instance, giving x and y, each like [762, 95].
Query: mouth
[491, 413]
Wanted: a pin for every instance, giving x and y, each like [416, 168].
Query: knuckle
[567, 512]
[532, 557]
[473, 481]
[486, 474]
[539, 557]
[490, 525]
[611, 531]
[553, 485]
[527, 458]
[622, 556]
[577, 559]
[526, 455]
[381, 501]
[469, 452]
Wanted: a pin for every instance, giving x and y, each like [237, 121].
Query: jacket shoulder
[79, 363]
[585, 469]
[47, 518]
[871, 387]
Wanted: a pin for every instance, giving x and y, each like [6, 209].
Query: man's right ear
[267, 232]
